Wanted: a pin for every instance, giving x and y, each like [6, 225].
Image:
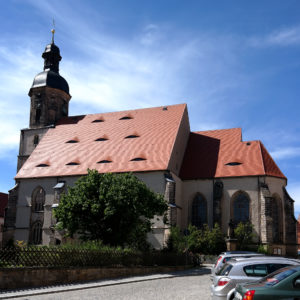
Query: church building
[206, 177]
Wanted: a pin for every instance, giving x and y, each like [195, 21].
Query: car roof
[269, 259]
[242, 255]
[237, 252]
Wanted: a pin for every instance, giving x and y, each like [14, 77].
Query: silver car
[239, 270]
[226, 256]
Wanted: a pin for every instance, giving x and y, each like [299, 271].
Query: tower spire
[51, 55]
[53, 31]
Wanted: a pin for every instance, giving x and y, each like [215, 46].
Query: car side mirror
[297, 283]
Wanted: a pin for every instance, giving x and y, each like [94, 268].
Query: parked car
[239, 270]
[282, 284]
[226, 256]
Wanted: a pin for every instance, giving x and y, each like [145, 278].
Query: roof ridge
[217, 130]
[142, 108]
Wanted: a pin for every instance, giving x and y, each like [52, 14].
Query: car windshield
[224, 271]
[276, 277]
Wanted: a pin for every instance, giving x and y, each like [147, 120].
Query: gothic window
[36, 233]
[277, 220]
[199, 211]
[241, 208]
[38, 200]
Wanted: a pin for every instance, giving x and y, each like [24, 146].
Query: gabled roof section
[157, 128]
[222, 153]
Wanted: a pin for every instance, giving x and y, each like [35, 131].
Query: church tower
[49, 93]
[49, 102]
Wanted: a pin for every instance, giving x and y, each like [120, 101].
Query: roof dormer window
[98, 121]
[138, 159]
[126, 118]
[132, 136]
[42, 165]
[74, 141]
[102, 138]
[104, 161]
[233, 163]
[73, 163]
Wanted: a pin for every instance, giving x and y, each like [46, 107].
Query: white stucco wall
[230, 186]
[154, 180]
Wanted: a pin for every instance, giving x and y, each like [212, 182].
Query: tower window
[38, 115]
[36, 139]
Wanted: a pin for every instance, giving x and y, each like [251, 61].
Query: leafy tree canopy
[114, 208]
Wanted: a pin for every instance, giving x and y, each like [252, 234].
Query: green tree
[244, 235]
[114, 208]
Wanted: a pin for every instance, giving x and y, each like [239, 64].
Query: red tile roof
[156, 129]
[3, 203]
[222, 153]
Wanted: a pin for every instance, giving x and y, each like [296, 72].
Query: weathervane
[53, 31]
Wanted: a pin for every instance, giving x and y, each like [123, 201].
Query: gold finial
[53, 31]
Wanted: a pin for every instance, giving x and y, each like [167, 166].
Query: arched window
[199, 211]
[241, 208]
[276, 215]
[36, 233]
[38, 200]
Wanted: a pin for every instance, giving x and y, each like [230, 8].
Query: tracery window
[241, 208]
[277, 220]
[199, 211]
[38, 200]
[36, 233]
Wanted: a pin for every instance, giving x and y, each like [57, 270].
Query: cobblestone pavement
[188, 284]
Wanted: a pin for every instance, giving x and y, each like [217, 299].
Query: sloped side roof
[107, 142]
[3, 203]
[269, 164]
[222, 153]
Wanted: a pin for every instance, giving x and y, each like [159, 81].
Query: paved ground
[189, 284]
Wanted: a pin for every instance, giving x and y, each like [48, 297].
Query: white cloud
[294, 191]
[282, 37]
[285, 153]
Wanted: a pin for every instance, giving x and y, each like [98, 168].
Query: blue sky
[235, 63]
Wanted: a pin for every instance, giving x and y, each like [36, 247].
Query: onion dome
[50, 76]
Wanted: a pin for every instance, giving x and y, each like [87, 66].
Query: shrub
[204, 241]
[244, 235]
[177, 242]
